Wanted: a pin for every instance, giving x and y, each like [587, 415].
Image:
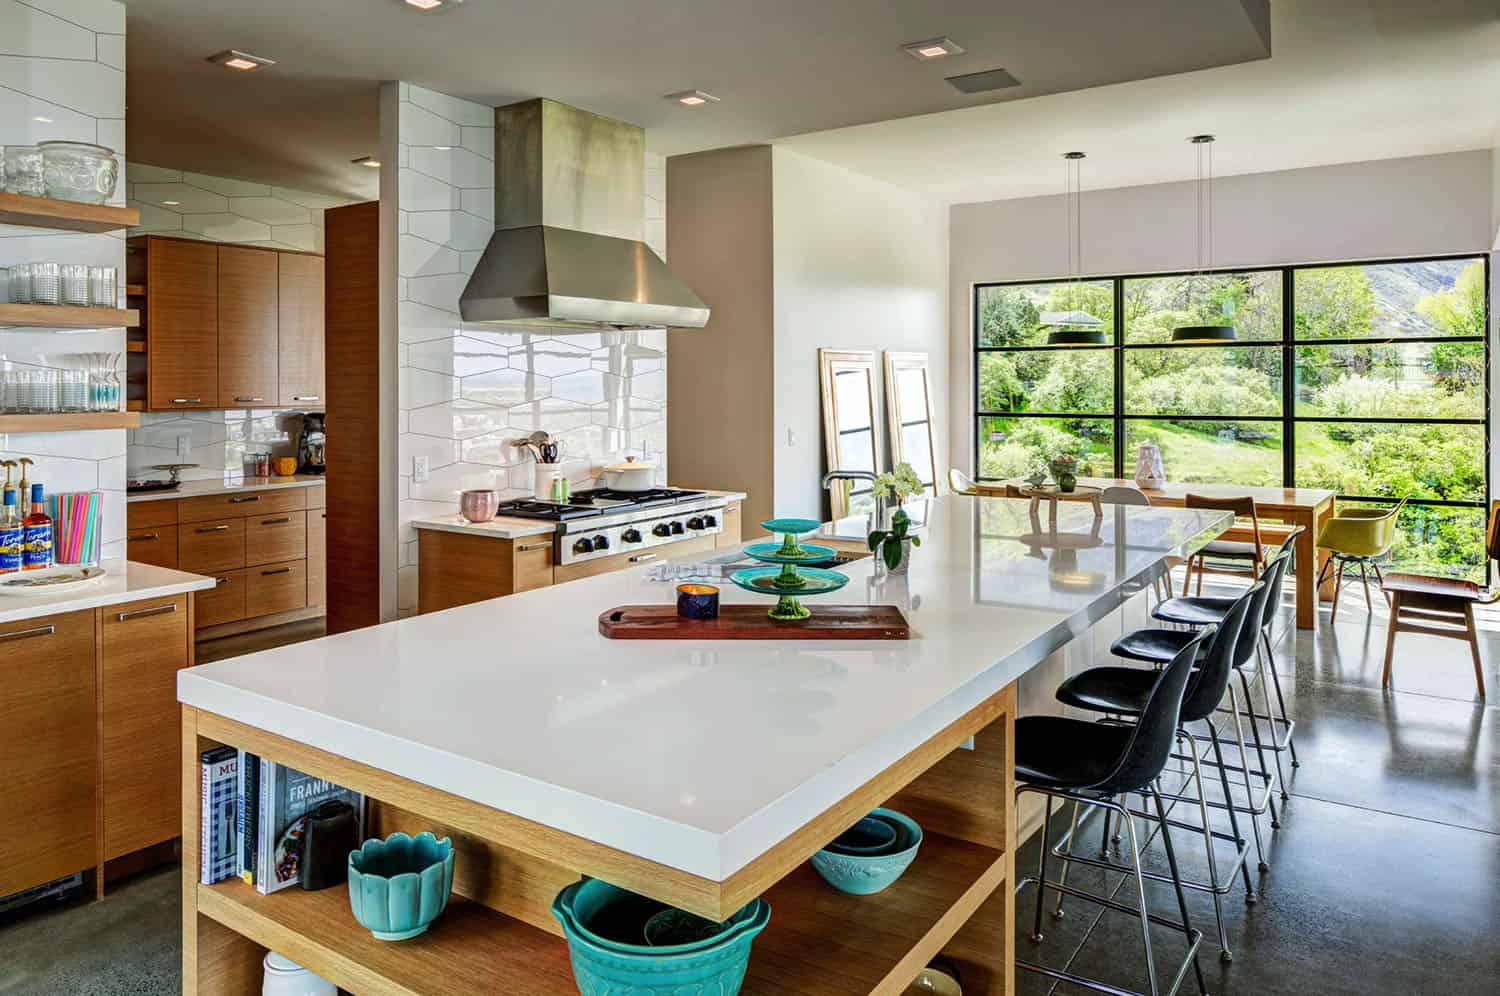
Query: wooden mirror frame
[831, 363]
[895, 363]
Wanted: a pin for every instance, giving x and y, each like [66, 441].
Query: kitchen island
[700, 773]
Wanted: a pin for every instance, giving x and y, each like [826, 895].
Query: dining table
[1305, 507]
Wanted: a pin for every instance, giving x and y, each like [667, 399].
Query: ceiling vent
[990, 79]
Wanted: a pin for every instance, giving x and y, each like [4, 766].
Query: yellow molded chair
[963, 484]
[1357, 536]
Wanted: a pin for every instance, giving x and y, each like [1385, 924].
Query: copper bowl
[479, 506]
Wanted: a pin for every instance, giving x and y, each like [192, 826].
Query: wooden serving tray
[750, 622]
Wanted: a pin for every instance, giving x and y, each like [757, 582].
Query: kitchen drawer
[143, 646]
[623, 561]
[241, 503]
[274, 539]
[152, 545]
[224, 603]
[317, 496]
[531, 563]
[151, 513]
[317, 555]
[273, 588]
[211, 547]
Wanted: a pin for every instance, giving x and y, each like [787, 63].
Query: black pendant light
[1074, 327]
[1204, 334]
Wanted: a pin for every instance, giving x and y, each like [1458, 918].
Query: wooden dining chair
[1252, 554]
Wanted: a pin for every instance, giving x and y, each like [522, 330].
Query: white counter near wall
[123, 581]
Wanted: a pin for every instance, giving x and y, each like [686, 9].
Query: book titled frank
[287, 796]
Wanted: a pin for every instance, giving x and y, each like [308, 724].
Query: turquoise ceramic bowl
[869, 836]
[867, 874]
[399, 885]
[794, 526]
[597, 917]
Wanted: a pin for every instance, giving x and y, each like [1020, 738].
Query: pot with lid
[630, 476]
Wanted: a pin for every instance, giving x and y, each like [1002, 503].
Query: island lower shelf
[497, 936]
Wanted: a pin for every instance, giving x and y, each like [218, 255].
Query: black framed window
[1370, 379]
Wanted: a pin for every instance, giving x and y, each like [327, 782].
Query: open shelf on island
[68, 216]
[69, 421]
[64, 316]
[884, 940]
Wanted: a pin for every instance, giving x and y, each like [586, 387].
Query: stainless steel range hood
[567, 253]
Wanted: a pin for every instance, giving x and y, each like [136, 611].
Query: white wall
[1366, 210]
[223, 209]
[465, 392]
[62, 76]
[858, 264]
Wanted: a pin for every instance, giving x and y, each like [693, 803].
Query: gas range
[601, 523]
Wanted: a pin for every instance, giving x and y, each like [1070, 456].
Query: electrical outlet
[421, 469]
[791, 437]
[184, 446]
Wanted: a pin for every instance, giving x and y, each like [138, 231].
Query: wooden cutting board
[750, 622]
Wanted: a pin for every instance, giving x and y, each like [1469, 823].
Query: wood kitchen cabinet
[181, 316]
[300, 281]
[48, 749]
[456, 568]
[142, 647]
[730, 533]
[317, 555]
[249, 317]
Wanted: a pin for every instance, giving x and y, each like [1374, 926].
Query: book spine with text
[246, 814]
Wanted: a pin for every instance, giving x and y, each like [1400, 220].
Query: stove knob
[696, 522]
[631, 536]
[709, 521]
[677, 529]
[661, 529]
[601, 543]
[584, 545]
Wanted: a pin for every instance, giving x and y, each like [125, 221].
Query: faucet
[858, 475]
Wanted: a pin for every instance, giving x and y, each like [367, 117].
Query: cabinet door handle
[142, 537]
[187, 401]
[212, 529]
[157, 610]
[26, 634]
[525, 547]
[241, 499]
[641, 558]
[219, 581]
[249, 399]
[276, 522]
[279, 570]
[306, 397]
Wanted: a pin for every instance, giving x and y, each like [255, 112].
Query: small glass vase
[902, 565]
[1067, 481]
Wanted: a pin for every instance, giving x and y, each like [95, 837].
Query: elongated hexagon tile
[594, 443]
[26, 31]
[454, 229]
[145, 173]
[651, 386]
[446, 483]
[480, 202]
[589, 386]
[420, 388]
[439, 452]
[271, 210]
[419, 126]
[226, 227]
[457, 419]
[227, 186]
[190, 199]
[506, 387]
[454, 165]
[455, 109]
[480, 141]
[494, 449]
[421, 258]
[551, 414]
[419, 322]
[551, 358]
[626, 412]
[418, 192]
[438, 291]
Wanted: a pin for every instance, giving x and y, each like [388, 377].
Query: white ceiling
[781, 67]
[1348, 80]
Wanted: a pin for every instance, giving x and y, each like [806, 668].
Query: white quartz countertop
[701, 755]
[197, 489]
[501, 527]
[123, 581]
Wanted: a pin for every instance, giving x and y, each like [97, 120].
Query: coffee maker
[310, 444]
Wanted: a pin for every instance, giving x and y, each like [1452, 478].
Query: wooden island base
[501, 938]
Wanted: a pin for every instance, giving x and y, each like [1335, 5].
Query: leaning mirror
[849, 427]
[908, 411]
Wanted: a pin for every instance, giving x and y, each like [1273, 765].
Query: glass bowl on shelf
[23, 171]
[79, 171]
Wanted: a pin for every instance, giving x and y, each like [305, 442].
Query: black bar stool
[1123, 691]
[1091, 763]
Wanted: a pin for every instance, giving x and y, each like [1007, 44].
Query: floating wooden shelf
[135, 290]
[62, 316]
[135, 347]
[68, 216]
[69, 421]
[135, 405]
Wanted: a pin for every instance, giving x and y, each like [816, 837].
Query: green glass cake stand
[787, 581]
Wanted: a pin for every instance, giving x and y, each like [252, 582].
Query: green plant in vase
[1065, 472]
[893, 545]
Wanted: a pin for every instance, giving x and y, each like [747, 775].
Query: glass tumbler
[20, 283]
[23, 171]
[73, 390]
[46, 283]
[75, 284]
[103, 291]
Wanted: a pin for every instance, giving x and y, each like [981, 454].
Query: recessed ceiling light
[39, 119]
[243, 61]
[932, 48]
[431, 6]
[693, 98]
[171, 203]
[369, 161]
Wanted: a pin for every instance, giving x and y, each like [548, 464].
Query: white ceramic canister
[284, 977]
[545, 472]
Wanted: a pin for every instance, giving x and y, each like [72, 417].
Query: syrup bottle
[36, 538]
[11, 535]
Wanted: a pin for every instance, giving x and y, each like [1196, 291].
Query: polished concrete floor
[1384, 876]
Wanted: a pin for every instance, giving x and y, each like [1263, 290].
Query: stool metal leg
[1260, 752]
[1280, 701]
[1187, 927]
[1265, 689]
[1208, 842]
[1057, 914]
[1239, 732]
[1041, 875]
[1140, 896]
[1234, 822]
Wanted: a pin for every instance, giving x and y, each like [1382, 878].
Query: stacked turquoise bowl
[870, 855]
[605, 927]
[399, 885]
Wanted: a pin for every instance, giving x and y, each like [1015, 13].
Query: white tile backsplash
[467, 393]
[62, 61]
[218, 441]
[225, 209]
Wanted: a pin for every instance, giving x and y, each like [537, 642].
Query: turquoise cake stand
[788, 581]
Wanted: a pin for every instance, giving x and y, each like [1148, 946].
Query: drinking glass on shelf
[20, 283]
[102, 287]
[73, 390]
[75, 284]
[23, 171]
[46, 283]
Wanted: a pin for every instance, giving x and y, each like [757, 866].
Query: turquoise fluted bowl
[597, 918]
[867, 874]
[399, 885]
